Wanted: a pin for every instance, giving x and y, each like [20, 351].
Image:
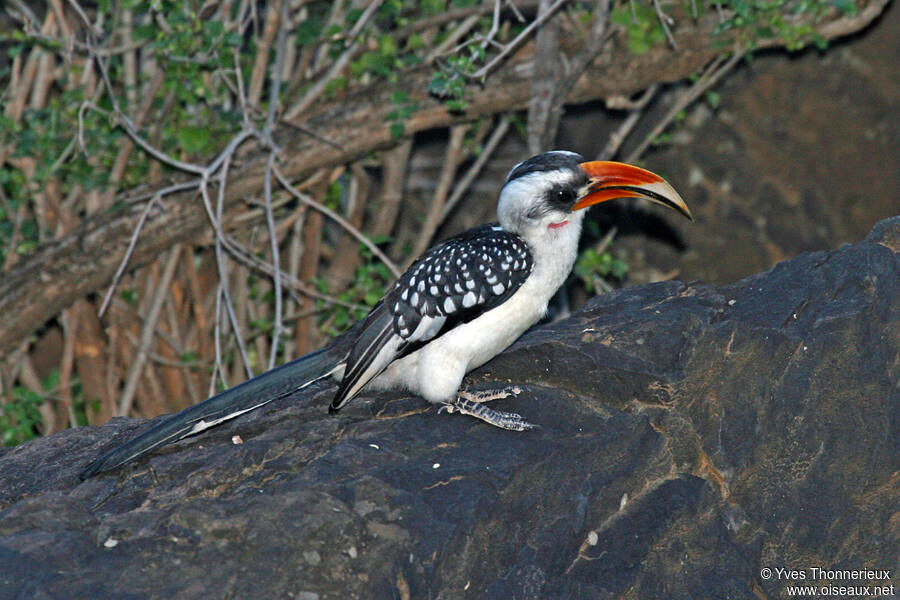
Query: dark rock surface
[690, 436]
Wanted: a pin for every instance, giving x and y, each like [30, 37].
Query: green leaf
[192, 138]
[309, 31]
[415, 42]
[353, 15]
[438, 84]
[129, 296]
[458, 106]
[847, 7]
[332, 30]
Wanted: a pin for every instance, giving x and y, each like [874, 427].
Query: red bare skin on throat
[558, 225]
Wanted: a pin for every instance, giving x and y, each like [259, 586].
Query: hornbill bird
[459, 305]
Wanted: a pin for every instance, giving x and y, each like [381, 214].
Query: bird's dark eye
[563, 196]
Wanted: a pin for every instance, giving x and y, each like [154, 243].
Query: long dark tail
[233, 402]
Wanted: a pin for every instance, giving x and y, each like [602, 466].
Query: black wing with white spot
[457, 280]
[452, 283]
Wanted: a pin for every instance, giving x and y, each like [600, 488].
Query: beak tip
[612, 180]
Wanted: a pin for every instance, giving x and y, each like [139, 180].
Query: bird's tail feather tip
[226, 405]
[95, 467]
[99, 465]
[89, 471]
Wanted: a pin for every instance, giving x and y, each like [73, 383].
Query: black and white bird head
[545, 194]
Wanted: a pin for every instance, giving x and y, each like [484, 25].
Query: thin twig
[129, 311]
[452, 158]
[122, 119]
[455, 15]
[154, 198]
[394, 165]
[709, 78]
[129, 60]
[128, 126]
[261, 62]
[473, 171]
[636, 109]
[319, 50]
[274, 95]
[125, 145]
[315, 136]
[339, 65]
[217, 344]
[253, 215]
[275, 88]
[483, 71]
[69, 321]
[340, 220]
[242, 96]
[294, 254]
[276, 259]
[495, 25]
[665, 20]
[220, 258]
[137, 367]
[174, 188]
[606, 240]
[454, 36]
[11, 255]
[288, 281]
[30, 17]
[127, 258]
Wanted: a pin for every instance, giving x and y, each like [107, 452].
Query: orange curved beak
[610, 180]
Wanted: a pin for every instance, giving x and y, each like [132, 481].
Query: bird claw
[482, 396]
[504, 420]
[513, 422]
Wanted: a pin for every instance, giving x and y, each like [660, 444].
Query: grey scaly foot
[488, 395]
[504, 420]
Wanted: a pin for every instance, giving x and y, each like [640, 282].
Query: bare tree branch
[65, 269]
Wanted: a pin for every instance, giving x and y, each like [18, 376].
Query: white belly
[436, 370]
